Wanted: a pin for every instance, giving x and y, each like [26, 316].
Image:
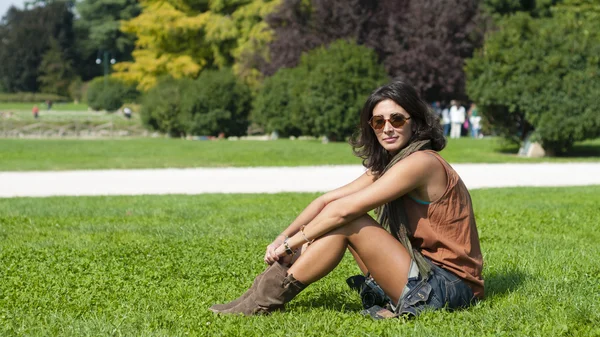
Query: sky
[5, 5]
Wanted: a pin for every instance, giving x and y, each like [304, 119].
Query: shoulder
[420, 163]
[422, 158]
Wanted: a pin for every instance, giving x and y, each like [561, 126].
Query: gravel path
[270, 180]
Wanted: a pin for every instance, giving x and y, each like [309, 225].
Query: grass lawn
[152, 265]
[58, 117]
[26, 107]
[64, 154]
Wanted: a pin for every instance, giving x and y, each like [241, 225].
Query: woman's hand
[270, 255]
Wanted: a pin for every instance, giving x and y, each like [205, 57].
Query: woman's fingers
[270, 256]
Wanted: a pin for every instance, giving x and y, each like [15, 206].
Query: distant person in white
[446, 120]
[457, 118]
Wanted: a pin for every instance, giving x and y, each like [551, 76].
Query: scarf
[392, 216]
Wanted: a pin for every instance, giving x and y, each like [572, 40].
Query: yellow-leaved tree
[180, 38]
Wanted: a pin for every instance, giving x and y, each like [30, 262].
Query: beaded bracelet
[304, 236]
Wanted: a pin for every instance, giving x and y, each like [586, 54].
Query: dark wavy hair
[426, 125]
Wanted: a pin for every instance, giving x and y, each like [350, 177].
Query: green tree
[56, 72]
[25, 37]
[324, 94]
[539, 75]
[99, 29]
[536, 8]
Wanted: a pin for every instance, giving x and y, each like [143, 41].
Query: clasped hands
[276, 252]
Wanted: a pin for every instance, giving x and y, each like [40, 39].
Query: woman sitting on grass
[423, 252]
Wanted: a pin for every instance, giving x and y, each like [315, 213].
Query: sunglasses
[396, 120]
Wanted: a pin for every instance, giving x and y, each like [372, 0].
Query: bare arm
[314, 208]
[405, 176]
[317, 205]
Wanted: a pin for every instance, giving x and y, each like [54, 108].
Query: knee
[353, 227]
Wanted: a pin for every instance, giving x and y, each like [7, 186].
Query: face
[391, 138]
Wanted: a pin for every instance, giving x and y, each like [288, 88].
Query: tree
[323, 95]
[181, 38]
[169, 42]
[539, 75]
[25, 37]
[252, 45]
[425, 42]
[56, 72]
[536, 8]
[99, 29]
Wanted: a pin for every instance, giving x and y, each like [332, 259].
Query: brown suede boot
[221, 307]
[274, 290]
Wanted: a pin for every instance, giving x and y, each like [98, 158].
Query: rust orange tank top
[445, 230]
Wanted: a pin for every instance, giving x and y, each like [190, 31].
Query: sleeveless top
[445, 231]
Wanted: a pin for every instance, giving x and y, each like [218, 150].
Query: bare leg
[385, 258]
[359, 262]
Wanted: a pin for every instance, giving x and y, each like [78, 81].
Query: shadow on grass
[499, 284]
[507, 148]
[336, 301]
[583, 150]
[590, 148]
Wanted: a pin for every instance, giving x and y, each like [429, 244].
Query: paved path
[270, 180]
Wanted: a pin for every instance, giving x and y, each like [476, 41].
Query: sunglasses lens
[397, 121]
[377, 122]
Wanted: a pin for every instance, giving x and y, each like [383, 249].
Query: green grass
[64, 154]
[55, 118]
[160, 153]
[69, 117]
[26, 107]
[152, 265]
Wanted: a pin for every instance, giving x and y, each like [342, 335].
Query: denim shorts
[442, 289]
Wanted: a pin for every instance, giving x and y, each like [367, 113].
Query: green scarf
[392, 216]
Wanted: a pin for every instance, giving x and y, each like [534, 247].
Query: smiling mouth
[390, 139]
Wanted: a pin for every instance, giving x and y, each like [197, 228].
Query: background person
[35, 111]
[127, 112]
[475, 120]
[446, 120]
[457, 118]
[429, 256]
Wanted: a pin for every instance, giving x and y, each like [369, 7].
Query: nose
[387, 128]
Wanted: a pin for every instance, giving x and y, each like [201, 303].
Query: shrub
[271, 107]
[216, 102]
[323, 95]
[109, 94]
[219, 104]
[77, 88]
[161, 105]
[536, 77]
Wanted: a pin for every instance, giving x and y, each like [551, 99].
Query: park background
[195, 73]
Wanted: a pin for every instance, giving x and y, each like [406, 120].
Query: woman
[429, 256]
